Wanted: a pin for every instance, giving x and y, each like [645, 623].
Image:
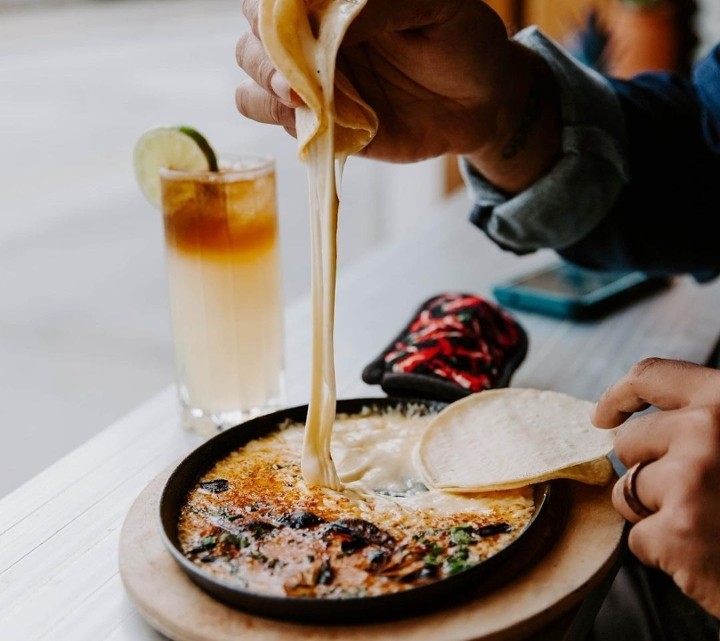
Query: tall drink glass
[223, 269]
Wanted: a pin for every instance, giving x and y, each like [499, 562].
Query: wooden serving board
[173, 605]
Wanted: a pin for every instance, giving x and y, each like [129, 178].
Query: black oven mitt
[453, 346]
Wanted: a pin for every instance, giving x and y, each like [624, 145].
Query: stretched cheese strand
[302, 38]
[317, 464]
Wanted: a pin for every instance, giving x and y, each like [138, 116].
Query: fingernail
[281, 87]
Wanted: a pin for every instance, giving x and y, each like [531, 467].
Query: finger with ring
[630, 491]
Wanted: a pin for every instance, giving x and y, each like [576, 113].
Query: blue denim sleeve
[550, 214]
[641, 193]
[664, 219]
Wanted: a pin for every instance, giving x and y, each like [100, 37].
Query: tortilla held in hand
[302, 38]
[506, 438]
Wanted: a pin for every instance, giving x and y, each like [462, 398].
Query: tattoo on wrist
[533, 109]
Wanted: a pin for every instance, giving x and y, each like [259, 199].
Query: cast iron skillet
[548, 521]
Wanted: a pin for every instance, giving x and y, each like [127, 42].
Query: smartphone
[566, 291]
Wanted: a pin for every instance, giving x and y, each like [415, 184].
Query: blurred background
[84, 326]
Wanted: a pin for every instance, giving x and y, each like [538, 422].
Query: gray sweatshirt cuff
[573, 197]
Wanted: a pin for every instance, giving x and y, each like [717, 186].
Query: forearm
[579, 161]
[528, 122]
[635, 183]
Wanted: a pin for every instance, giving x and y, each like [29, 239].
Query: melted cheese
[302, 38]
[376, 459]
[317, 464]
[253, 520]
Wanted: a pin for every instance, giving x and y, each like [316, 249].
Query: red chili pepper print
[458, 337]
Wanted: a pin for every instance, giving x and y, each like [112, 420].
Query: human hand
[680, 485]
[443, 77]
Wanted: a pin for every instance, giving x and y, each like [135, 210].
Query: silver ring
[630, 490]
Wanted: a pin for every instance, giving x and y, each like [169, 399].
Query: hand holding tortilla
[507, 438]
[442, 77]
[302, 40]
[679, 449]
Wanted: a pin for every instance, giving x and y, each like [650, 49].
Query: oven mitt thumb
[453, 346]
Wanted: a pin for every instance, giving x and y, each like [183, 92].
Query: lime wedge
[172, 147]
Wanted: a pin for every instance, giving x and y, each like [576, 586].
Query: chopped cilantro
[458, 561]
[431, 558]
[208, 543]
[234, 539]
[462, 534]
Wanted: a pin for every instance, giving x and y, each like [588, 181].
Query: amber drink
[223, 268]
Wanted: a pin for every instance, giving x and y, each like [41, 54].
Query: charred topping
[259, 528]
[216, 486]
[377, 558]
[252, 532]
[422, 558]
[360, 533]
[494, 528]
[305, 582]
[300, 520]
[207, 543]
[424, 574]
[326, 574]
[404, 562]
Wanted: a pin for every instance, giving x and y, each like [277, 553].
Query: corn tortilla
[507, 438]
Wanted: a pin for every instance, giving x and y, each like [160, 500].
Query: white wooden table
[59, 532]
